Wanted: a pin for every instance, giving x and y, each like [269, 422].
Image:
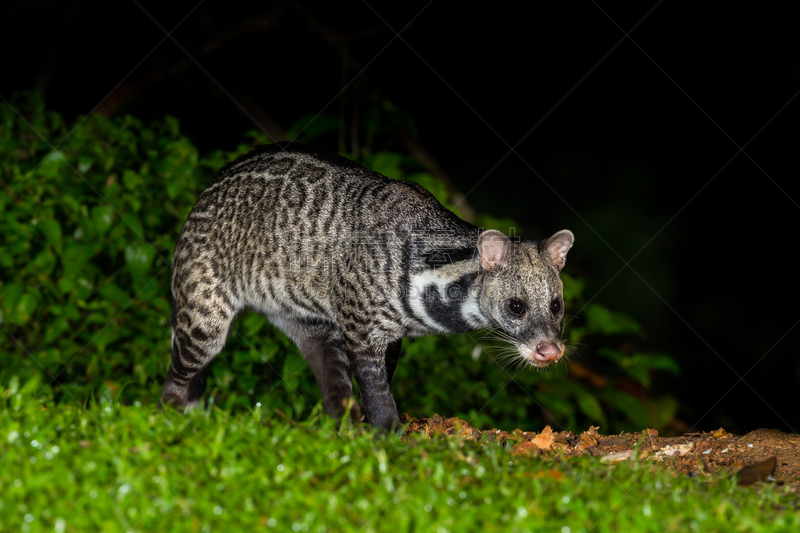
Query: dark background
[634, 144]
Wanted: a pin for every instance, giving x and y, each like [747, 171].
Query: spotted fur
[347, 263]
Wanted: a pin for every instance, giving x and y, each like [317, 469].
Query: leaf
[627, 404]
[608, 322]
[291, 371]
[311, 126]
[133, 223]
[573, 287]
[10, 295]
[386, 163]
[85, 163]
[589, 406]
[25, 308]
[175, 186]
[656, 361]
[102, 218]
[53, 161]
[139, 258]
[31, 385]
[148, 289]
[52, 231]
[17, 307]
[640, 374]
[612, 354]
[132, 180]
[75, 256]
[576, 334]
[104, 337]
[660, 411]
[640, 365]
[55, 329]
[113, 293]
[43, 264]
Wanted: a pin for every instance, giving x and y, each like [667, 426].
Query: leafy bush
[89, 226]
[90, 217]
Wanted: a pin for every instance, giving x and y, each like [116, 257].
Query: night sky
[664, 136]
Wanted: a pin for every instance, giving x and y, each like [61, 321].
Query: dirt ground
[694, 454]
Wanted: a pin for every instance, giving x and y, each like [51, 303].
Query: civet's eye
[516, 307]
[555, 306]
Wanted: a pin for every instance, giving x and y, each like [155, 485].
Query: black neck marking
[446, 308]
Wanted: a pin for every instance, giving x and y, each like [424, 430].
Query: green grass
[111, 467]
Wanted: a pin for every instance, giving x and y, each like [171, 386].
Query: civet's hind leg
[200, 328]
[321, 346]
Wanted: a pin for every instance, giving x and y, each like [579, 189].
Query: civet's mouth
[544, 354]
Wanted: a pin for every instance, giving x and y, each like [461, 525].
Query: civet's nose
[547, 352]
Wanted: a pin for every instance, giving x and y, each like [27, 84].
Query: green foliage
[115, 468]
[89, 216]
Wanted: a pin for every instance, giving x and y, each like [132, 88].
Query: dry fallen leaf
[525, 448]
[673, 450]
[544, 439]
[588, 438]
[616, 457]
[762, 471]
[470, 433]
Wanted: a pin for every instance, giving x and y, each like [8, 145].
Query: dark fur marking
[199, 335]
[405, 284]
[444, 310]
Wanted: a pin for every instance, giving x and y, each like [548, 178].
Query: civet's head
[523, 293]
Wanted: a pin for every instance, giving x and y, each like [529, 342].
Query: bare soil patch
[694, 454]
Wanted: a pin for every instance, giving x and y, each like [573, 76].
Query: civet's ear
[557, 246]
[494, 249]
